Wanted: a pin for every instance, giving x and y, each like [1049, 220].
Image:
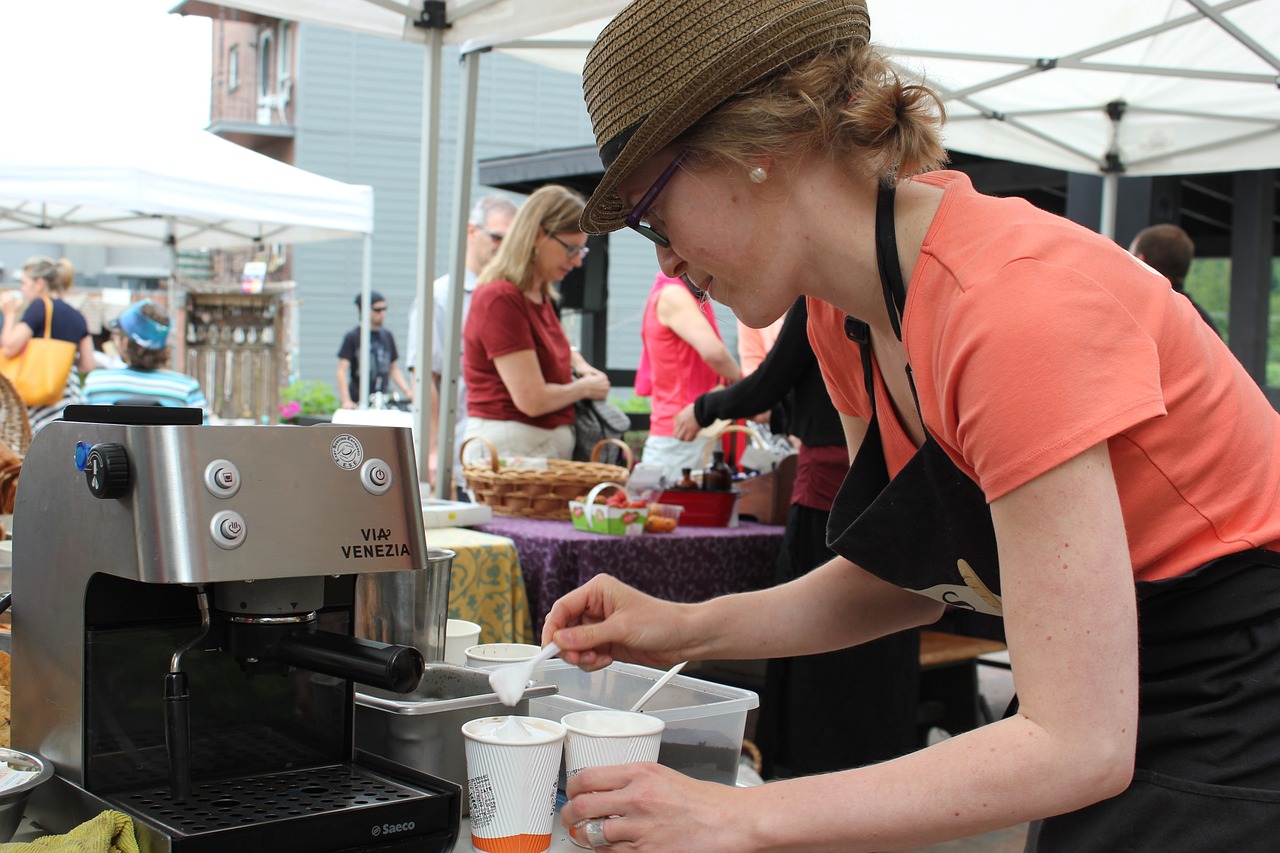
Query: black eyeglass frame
[493, 235]
[574, 251]
[637, 214]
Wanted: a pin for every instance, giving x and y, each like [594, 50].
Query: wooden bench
[949, 695]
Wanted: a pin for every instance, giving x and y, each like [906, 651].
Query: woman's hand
[605, 620]
[593, 385]
[658, 810]
[686, 425]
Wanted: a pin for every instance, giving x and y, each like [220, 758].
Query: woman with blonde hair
[1043, 432]
[523, 378]
[46, 278]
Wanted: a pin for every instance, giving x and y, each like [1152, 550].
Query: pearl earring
[758, 174]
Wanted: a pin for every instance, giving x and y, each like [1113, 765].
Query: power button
[375, 476]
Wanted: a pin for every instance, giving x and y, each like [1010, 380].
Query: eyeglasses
[574, 251]
[377, 309]
[638, 213]
[493, 235]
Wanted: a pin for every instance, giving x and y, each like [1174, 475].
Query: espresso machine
[183, 631]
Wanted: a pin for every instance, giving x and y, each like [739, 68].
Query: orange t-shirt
[1032, 339]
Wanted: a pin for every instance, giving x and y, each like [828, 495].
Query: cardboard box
[594, 516]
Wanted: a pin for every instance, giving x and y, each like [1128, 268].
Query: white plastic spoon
[658, 685]
[509, 681]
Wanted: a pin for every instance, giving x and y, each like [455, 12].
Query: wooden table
[689, 564]
[949, 694]
[487, 584]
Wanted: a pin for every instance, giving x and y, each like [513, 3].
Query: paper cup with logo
[603, 737]
[459, 634]
[513, 766]
[495, 654]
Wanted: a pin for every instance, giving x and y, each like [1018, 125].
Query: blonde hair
[58, 275]
[552, 209]
[848, 102]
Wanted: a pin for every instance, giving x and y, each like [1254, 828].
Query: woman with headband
[1041, 430]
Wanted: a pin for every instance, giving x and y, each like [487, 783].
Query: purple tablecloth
[689, 564]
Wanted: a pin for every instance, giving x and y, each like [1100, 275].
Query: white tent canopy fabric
[1140, 87]
[192, 189]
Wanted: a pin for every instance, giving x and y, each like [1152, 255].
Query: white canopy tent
[1140, 87]
[177, 190]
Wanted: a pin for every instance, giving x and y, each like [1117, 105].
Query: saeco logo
[392, 828]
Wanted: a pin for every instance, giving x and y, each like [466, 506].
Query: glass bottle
[718, 477]
[687, 483]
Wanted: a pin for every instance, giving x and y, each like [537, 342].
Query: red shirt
[502, 321]
[678, 373]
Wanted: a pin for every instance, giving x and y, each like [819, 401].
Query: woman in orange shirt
[1044, 433]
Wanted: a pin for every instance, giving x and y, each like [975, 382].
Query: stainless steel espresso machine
[183, 648]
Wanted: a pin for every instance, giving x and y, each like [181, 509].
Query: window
[233, 68]
[266, 64]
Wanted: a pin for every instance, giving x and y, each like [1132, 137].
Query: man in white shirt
[490, 218]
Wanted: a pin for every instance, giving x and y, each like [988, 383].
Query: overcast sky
[75, 65]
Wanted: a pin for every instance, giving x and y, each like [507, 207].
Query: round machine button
[375, 476]
[227, 529]
[222, 478]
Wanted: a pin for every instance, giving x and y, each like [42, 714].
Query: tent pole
[1110, 198]
[366, 273]
[428, 180]
[452, 344]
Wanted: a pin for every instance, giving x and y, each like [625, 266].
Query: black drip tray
[330, 808]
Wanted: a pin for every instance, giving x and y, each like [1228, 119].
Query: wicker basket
[15, 426]
[526, 493]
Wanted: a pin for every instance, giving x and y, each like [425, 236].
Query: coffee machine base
[337, 808]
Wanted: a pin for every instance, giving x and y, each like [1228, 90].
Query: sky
[77, 65]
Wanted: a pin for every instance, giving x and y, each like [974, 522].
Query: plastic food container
[426, 733]
[704, 509]
[704, 721]
[663, 518]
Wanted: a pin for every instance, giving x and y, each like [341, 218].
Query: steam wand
[177, 710]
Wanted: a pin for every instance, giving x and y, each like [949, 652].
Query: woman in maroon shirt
[522, 375]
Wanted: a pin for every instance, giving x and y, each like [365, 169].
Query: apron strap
[895, 292]
[860, 333]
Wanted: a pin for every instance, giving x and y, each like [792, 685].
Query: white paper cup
[459, 635]
[602, 738]
[513, 766]
[493, 654]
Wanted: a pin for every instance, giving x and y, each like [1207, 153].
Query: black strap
[860, 333]
[895, 292]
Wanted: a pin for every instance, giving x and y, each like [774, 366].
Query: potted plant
[306, 402]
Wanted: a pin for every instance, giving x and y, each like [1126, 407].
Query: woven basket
[524, 493]
[15, 426]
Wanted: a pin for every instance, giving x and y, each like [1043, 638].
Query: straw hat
[661, 65]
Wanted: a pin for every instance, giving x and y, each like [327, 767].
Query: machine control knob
[375, 476]
[228, 530]
[222, 478]
[106, 470]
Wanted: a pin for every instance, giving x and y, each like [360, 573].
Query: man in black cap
[383, 367]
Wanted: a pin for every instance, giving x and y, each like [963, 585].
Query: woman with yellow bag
[39, 348]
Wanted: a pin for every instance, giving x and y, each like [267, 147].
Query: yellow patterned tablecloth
[486, 586]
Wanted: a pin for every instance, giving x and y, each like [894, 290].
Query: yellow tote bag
[40, 371]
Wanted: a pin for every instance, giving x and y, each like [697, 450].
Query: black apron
[1208, 751]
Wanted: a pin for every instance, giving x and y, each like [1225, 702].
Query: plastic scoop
[510, 681]
[658, 685]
